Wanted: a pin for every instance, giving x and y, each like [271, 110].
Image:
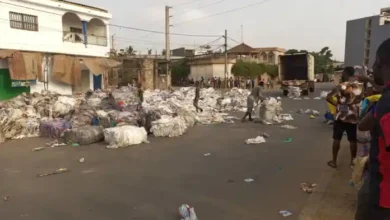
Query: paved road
[150, 181]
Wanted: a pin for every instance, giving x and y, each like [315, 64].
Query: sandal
[332, 164]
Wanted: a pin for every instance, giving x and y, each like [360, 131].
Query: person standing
[254, 97]
[140, 93]
[347, 113]
[374, 195]
[197, 96]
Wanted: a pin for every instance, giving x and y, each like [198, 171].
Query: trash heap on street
[163, 113]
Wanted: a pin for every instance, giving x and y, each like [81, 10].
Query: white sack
[63, 106]
[125, 136]
[257, 140]
[169, 127]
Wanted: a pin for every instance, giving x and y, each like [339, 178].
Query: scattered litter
[312, 117]
[287, 140]
[257, 140]
[187, 213]
[306, 98]
[289, 127]
[324, 94]
[317, 98]
[59, 171]
[307, 187]
[207, 154]
[75, 145]
[265, 135]
[312, 112]
[301, 111]
[285, 117]
[285, 213]
[55, 143]
[297, 98]
[81, 160]
[294, 92]
[6, 198]
[249, 180]
[39, 148]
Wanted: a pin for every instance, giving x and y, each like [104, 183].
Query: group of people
[357, 111]
[238, 82]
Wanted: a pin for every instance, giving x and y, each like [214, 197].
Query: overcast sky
[300, 24]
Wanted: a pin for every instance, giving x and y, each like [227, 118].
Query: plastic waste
[124, 136]
[257, 140]
[59, 171]
[308, 187]
[288, 127]
[287, 140]
[249, 180]
[285, 213]
[187, 213]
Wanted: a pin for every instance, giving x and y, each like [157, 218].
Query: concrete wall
[209, 70]
[49, 37]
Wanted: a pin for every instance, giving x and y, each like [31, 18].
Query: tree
[323, 61]
[150, 52]
[130, 50]
[180, 70]
[247, 69]
[272, 71]
[293, 51]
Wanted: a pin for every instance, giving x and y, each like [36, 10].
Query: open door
[97, 82]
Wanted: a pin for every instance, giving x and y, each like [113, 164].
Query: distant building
[267, 55]
[182, 52]
[208, 66]
[363, 37]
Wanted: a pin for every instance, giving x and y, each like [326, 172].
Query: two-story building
[267, 55]
[64, 45]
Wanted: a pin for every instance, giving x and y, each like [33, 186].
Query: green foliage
[247, 69]
[180, 70]
[130, 50]
[272, 71]
[323, 62]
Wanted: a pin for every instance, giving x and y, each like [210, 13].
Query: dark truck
[297, 70]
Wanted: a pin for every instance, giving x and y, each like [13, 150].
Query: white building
[209, 66]
[55, 27]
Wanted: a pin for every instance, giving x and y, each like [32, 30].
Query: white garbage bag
[169, 126]
[125, 136]
[269, 110]
[63, 106]
[257, 140]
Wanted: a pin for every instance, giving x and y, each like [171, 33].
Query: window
[76, 30]
[23, 21]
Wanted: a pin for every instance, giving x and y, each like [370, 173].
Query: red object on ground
[121, 103]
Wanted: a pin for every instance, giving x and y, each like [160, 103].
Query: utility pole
[167, 45]
[226, 59]
[112, 42]
[242, 33]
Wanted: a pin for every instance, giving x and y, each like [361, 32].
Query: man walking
[374, 195]
[253, 98]
[197, 96]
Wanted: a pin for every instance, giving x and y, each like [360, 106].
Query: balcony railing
[79, 38]
[97, 40]
[73, 37]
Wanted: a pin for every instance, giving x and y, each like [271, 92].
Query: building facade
[209, 66]
[56, 27]
[266, 55]
[363, 37]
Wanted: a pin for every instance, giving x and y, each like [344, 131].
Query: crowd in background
[239, 82]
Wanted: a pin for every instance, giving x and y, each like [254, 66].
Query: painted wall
[49, 37]
[6, 91]
[209, 71]
[379, 34]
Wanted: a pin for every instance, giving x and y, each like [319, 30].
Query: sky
[291, 24]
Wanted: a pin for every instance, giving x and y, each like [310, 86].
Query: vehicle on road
[297, 70]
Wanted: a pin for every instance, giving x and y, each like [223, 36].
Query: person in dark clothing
[374, 195]
[197, 96]
[254, 97]
[140, 96]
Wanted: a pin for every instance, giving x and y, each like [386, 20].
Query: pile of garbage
[294, 92]
[163, 113]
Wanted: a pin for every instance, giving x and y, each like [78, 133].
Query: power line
[186, 3]
[121, 26]
[233, 40]
[204, 6]
[221, 13]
